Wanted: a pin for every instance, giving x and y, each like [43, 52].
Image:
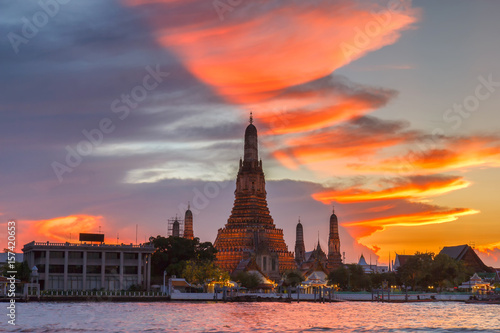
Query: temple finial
[333, 208]
[251, 117]
[189, 205]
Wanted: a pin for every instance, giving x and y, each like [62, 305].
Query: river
[254, 317]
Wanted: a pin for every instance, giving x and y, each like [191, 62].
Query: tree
[172, 253]
[293, 278]
[248, 280]
[358, 279]
[448, 272]
[339, 277]
[416, 271]
[201, 272]
[350, 276]
[22, 269]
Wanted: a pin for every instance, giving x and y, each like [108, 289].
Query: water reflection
[253, 317]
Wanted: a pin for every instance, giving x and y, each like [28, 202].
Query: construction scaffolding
[175, 227]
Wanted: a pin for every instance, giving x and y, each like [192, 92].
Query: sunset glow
[118, 117]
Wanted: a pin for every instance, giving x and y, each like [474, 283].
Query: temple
[188, 224]
[250, 232]
[300, 248]
[317, 258]
[334, 257]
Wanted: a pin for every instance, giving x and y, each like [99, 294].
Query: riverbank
[248, 297]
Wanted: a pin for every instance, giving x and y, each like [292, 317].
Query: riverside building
[88, 266]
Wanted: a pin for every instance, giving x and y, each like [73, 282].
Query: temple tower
[250, 229]
[334, 256]
[176, 229]
[300, 248]
[188, 224]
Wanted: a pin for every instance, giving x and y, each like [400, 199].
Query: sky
[115, 114]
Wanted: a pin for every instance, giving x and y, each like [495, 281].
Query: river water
[254, 317]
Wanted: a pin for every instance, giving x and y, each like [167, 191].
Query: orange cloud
[434, 215]
[358, 138]
[64, 229]
[490, 254]
[406, 188]
[318, 104]
[263, 48]
[452, 154]
[58, 229]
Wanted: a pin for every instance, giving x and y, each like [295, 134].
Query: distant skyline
[117, 114]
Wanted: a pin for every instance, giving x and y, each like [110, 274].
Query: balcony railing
[67, 244]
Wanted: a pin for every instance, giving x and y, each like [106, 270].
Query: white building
[369, 268]
[70, 266]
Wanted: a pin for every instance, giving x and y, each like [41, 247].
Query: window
[131, 256]
[93, 282]
[112, 270]
[75, 269]
[94, 255]
[56, 283]
[75, 255]
[130, 270]
[93, 269]
[273, 264]
[264, 263]
[56, 254]
[112, 255]
[75, 282]
[39, 254]
[56, 269]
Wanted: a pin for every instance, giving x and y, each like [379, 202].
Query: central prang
[250, 236]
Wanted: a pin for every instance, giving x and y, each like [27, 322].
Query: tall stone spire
[250, 229]
[300, 248]
[251, 142]
[334, 256]
[188, 223]
[176, 228]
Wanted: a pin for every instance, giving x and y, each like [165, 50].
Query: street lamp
[164, 288]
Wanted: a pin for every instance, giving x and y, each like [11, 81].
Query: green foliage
[22, 269]
[339, 277]
[201, 272]
[293, 278]
[424, 269]
[359, 280]
[172, 253]
[417, 270]
[378, 279]
[248, 280]
[448, 272]
[350, 277]
[136, 287]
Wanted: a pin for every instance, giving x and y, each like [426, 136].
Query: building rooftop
[87, 245]
[455, 252]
